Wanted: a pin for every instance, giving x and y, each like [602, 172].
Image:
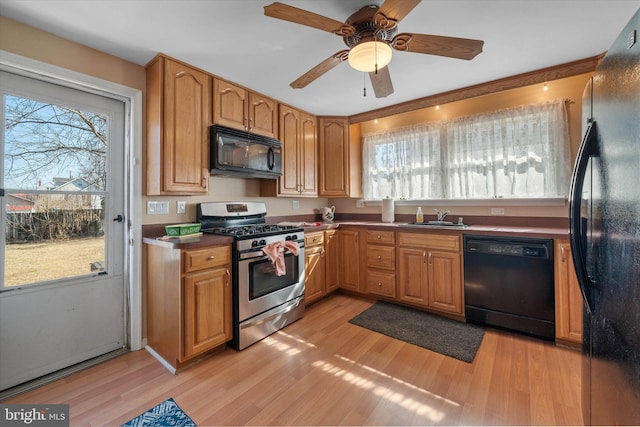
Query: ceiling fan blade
[326, 65]
[398, 9]
[381, 82]
[310, 19]
[451, 47]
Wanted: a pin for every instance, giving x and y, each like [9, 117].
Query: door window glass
[54, 180]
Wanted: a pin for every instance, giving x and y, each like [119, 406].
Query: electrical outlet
[295, 204]
[181, 206]
[360, 203]
[497, 211]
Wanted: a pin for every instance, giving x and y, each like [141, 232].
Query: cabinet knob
[562, 252]
[211, 258]
[379, 257]
[379, 237]
[379, 284]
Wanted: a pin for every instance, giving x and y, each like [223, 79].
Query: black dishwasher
[509, 283]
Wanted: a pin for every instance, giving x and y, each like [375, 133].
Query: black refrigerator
[605, 234]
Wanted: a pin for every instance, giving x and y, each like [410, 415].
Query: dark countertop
[495, 230]
[190, 243]
[151, 233]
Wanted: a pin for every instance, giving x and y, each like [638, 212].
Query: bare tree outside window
[54, 176]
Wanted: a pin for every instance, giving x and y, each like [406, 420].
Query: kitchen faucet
[441, 215]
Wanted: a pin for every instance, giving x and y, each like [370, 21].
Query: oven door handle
[259, 255]
[283, 309]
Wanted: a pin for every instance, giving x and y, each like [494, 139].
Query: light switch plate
[497, 211]
[181, 206]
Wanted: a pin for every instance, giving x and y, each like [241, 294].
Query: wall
[36, 44]
[45, 47]
[569, 88]
[233, 189]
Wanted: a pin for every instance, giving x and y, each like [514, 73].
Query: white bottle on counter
[419, 215]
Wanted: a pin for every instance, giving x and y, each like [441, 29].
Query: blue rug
[167, 413]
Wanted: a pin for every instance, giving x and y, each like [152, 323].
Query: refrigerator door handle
[588, 148]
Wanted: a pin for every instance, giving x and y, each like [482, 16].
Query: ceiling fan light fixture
[369, 56]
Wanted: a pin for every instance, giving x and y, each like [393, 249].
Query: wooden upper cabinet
[298, 134]
[178, 111]
[340, 160]
[289, 136]
[263, 115]
[308, 155]
[240, 108]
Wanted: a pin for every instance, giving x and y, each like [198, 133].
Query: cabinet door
[178, 155]
[412, 279]
[308, 166]
[445, 281]
[349, 259]
[229, 105]
[567, 295]
[331, 259]
[314, 264]
[207, 311]
[334, 157]
[263, 115]
[289, 132]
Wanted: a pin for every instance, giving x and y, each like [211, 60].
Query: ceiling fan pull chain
[364, 85]
[376, 53]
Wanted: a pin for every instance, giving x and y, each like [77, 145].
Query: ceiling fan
[370, 34]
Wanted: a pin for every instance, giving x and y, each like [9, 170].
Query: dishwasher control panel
[512, 248]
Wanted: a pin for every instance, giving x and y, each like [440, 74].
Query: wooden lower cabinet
[568, 297]
[321, 264]
[314, 265]
[430, 272]
[188, 302]
[207, 298]
[332, 252]
[380, 261]
[349, 264]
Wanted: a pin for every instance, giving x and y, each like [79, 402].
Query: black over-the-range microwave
[244, 154]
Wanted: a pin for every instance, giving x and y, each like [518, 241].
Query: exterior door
[63, 252]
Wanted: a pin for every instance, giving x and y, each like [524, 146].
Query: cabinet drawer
[314, 239]
[201, 259]
[381, 257]
[380, 283]
[381, 237]
[433, 241]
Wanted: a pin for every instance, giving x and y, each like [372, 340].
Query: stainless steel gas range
[268, 268]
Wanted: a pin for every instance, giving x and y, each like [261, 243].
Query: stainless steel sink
[437, 224]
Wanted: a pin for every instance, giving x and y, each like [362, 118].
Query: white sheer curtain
[520, 152]
[403, 164]
[514, 153]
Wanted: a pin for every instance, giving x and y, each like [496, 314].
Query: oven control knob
[263, 242]
[255, 243]
[292, 237]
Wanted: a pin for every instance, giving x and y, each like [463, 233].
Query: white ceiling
[235, 40]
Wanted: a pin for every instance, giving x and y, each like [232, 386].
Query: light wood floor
[323, 370]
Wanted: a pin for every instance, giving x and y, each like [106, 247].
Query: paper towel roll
[388, 214]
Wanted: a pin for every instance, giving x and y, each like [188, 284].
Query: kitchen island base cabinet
[430, 272]
[188, 302]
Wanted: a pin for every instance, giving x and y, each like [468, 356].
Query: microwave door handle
[271, 158]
